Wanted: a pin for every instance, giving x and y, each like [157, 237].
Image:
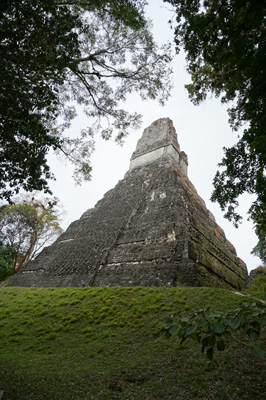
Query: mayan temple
[152, 229]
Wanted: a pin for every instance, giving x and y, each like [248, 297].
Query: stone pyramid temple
[151, 229]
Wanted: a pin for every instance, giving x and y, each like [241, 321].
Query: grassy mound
[107, 343]
[258, 285]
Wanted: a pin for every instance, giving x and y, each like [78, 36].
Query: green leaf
[227, 335]
[202, 310]
[256, 326]
[254, 314]
[227, 322]
[258, 351]
[220, 345]
[217, 328]
[263, 320]
[219, 312]
[254, 335]
[174, 330]
[211, 315]
[168, 323]
[187, 318]
[205, 342]
[242, 320]
[210, 353]
[211, 340]
[234, 324]
[190, 329]
[201, 322]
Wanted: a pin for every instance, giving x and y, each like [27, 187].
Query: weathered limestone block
[157, 142]
[152, 229]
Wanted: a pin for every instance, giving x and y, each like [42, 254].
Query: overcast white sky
[202, 133]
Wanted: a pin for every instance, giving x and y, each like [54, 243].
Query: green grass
[257, 287]
[107, 343]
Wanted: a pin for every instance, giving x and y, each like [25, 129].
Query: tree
[225, 45]
[7, 256]
[25, 227]
[55, 55]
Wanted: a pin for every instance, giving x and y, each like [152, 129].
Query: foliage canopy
[225, 45]
[25, 227]
[7, 256]
[55, 56]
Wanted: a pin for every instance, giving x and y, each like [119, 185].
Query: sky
[202, 133]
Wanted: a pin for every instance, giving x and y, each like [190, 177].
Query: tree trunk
[24, 258]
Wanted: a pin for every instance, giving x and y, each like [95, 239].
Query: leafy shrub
[213, 329]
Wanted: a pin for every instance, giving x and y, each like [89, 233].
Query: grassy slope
[106, 343]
